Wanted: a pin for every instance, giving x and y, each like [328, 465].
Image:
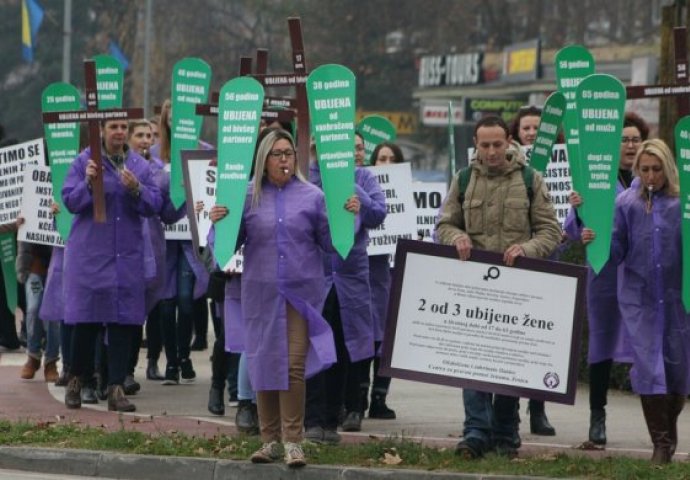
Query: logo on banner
[551, 380]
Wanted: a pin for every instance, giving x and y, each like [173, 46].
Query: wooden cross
[268, 114]
[94, 117]
[681, 88]
[297, 79]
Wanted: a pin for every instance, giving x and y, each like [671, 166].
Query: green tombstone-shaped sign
[190, 83]
[573, 63]
[239, 114]
[601, 107]
[8, 252]
[109, 79]
[550, 122]
[683, 161]
[375, 129]
[62, 140]
[331, 96]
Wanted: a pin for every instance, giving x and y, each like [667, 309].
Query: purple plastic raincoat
[351, 276]
[649, 247]
[104, 262]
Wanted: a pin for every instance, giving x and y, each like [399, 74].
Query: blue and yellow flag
[32, 16]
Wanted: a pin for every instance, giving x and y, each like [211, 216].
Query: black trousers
[118, 339]
[599, 376]
[326, 391]
[380, 385]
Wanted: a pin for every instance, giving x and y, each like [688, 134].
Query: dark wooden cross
[681, 88]
[94, 117]
[297, 79]
[268, 114]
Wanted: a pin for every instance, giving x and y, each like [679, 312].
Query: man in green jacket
[493, 208]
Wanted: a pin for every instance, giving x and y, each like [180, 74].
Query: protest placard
[482, 325]
[428, 198]
[38, 226]
[396, 183]
[13, 161]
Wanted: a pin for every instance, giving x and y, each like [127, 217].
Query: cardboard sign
[8, 253]
[200, 186]
[601, 107]
[682, 136]
[239, 113]
[375, 129]
[428, 198]
[547, 132]
[573, 63]
[62, 142]
[331, 96]
[190, 85]
[479, 324]
[38, 226]
[396, 183]
[13, 161]
[109, 79]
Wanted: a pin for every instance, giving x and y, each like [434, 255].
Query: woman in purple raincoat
[104, 262]
[285, 232]
[646, 239]
[385, 153]
[607, 338]
[348, 311]
[186, 280]
[140, 137]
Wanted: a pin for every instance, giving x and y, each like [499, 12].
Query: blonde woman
[647, 240]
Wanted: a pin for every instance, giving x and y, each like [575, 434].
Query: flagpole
[147, 41]
[66, 41]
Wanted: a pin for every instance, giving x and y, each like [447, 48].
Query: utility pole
[671, 16]
[67, 41]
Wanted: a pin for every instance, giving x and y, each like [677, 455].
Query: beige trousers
[283, 410]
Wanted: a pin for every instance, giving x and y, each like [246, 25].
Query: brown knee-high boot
[676, 404]
[657, 415]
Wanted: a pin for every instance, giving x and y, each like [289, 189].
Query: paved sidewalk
[428, 413]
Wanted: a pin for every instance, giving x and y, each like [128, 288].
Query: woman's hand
[54, 208]
[587, 235]
[198, 207]
[218, 212]
[91, 171]
[353, 204]
[575, 199]
[130, 181]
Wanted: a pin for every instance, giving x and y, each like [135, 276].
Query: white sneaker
[268, 453]
[294, 455]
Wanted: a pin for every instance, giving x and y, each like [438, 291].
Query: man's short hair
[492, 121]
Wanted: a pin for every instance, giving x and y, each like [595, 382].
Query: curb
[149, 467]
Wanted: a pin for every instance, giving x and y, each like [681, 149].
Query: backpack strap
[464, 176]
[528, 178]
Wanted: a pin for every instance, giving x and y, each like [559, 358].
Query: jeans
[489, 418]
[36, 328]
[244, 384]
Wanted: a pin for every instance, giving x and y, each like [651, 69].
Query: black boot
[216, 405]
[676, 404]
[657, 416]
[379, 409]
[597, 426]
[152, 372]
[538, 423]
[73, 393]
[364, 399]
